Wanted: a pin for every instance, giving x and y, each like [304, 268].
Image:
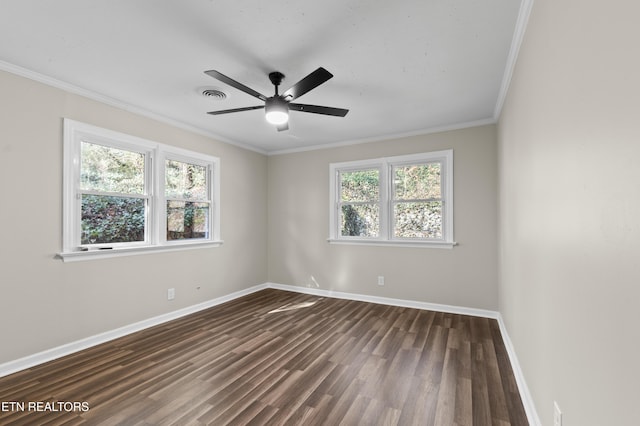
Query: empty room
[419, 212]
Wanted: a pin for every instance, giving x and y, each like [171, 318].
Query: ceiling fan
[277, 107]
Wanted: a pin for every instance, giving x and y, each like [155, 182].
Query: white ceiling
[401, 67]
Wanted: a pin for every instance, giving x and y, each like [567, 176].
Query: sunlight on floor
[292, 307]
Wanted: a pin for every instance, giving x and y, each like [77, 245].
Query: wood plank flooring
[277, 357]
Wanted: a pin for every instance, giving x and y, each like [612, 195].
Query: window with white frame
[124, 194]
[404, 200]
[188, 200]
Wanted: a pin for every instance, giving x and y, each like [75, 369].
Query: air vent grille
[216, 94]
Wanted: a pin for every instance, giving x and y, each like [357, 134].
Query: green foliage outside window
[184, 184]
[109, 218]
[360, 194]
[418, 201]
[185, 180]
[417, 182]
[416, 197]
[187, 219]
[107, 169]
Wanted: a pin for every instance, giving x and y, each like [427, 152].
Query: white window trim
[384, 165]
[213, 168]
[155, 241]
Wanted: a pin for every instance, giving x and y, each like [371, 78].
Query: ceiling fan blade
[231, 82]
[317, 109]
[227, 111]
[313, 80]
[283, 127]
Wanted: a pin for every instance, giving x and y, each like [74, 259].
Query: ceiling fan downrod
[276, 78]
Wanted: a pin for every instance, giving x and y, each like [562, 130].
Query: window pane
[417, 182]
[186, 220]
[185, 180]
[107, 219]
[361, 220]
[361, 185]
[111, 170]
[418, 220]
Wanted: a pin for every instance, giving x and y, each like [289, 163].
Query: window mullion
[337, 202]
[417, 200]
[188, 200]
[112, 194]
[210, 213]
[159, 201]
[385, 200]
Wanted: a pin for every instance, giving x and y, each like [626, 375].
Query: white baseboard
[388, 301]
[525, 395]
[70, 348]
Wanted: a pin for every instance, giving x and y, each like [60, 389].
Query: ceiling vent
[213, 93]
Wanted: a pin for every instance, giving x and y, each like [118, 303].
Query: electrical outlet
[380, 280]
[557, 415]
[171, 294]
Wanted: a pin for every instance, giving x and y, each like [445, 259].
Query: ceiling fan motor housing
[276, 78]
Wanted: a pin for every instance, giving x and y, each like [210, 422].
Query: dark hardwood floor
[277, 357]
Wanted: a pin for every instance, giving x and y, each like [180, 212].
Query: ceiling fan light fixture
[277, 107]
[276, 111]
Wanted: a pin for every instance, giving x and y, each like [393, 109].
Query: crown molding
[386, 137]
[71, 88]
[516, 42]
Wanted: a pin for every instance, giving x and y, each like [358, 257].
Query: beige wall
[44, 302]
[299, 226]
[570, 210]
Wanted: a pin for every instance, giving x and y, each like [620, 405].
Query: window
[359, 203]
[125, 195]
[405, 200]
[187, 200]
[113, 195]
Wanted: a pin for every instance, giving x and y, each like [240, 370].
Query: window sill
[395, 243]
[76, 256]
